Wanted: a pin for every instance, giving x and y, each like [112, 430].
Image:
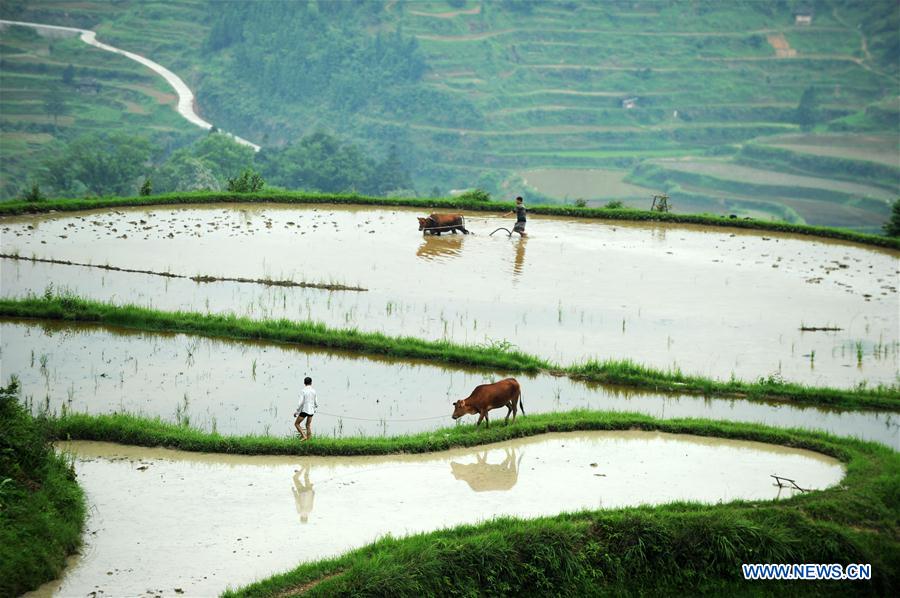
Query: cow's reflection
[303, 493]
[440, 248]
[483, 476]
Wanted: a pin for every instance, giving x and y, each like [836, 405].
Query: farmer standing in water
[306, 409]
[519, 211]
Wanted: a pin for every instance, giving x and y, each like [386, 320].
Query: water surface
[237, 387]
[163, 521]
[708, 301]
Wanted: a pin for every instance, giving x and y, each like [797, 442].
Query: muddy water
[163, 521]
[712, 302]
[252, 388]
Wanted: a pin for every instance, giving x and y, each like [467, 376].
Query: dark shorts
[303, 414]
[519, 227]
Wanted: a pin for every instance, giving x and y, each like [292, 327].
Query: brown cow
[485, 397]
[440, 223]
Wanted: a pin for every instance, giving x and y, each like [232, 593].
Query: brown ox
[485, 397]
[442, 223]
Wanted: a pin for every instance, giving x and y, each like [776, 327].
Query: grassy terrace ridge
[75, 309]
[271, 282]
[670, 549]
[298, 197]
[42, 509]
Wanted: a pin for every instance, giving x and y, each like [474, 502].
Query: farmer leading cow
[519, 211]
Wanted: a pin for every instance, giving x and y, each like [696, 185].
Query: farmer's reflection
[435, 248]
[483, 476]
[519, 265]
[303, 493]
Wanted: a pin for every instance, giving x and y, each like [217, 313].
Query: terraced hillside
[554, 84]
[53, 87]
[593, 100]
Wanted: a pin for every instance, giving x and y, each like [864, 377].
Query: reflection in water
[483, 476]
[520, 256]
[434, 248]
[303, 492]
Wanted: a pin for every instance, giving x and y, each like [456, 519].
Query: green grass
[74, 309]
[42, 509]
[678, 548]
[299, 198]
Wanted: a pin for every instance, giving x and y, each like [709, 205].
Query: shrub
[34, 194]
[892, 226]
[476, 195]
[580, 203]
[249, 182]
[614, 205]
[147, 187]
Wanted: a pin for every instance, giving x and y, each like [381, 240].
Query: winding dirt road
[186, 100]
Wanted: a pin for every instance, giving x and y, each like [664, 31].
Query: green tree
[183, 172]
[807, 109]
[147, 187]
[68, 75]
[892, 226]
[223, 154]
[98, 164]
[318, 162]
[389, 175]
[55, 104]
[204, 165]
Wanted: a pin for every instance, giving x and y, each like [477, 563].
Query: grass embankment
[74, 309]
[298, 197]
[670, 549]
[42, 508]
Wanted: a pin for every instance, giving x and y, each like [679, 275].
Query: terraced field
[553, 83]
[882, 149]
[722, 302]
[104, 93]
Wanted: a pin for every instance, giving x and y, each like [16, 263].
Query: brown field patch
[447, 15]
[781, 46]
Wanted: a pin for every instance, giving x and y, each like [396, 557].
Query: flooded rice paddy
[747, 174]
[574, 183]
[238, 387]
[244, 518]
[714, 302]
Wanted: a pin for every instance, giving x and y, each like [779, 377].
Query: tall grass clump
[42, 508]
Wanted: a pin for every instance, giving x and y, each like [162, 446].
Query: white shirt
[308, 401]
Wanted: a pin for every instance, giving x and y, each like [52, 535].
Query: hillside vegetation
[507, 93]
[42, 509]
